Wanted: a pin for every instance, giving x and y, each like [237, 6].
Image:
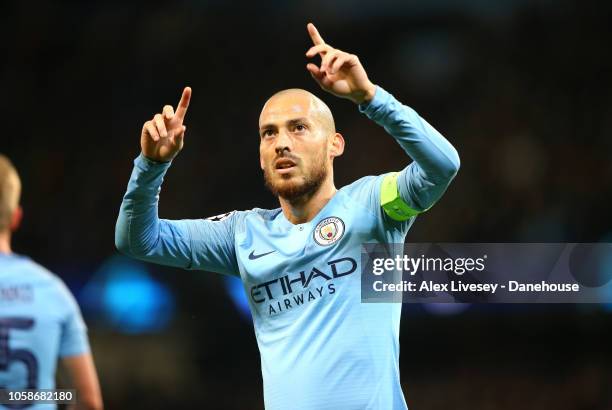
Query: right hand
[162, 137]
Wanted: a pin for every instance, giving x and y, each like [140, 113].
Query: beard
[296, 187]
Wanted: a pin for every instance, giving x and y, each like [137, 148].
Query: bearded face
[298, 142]
[291, 177]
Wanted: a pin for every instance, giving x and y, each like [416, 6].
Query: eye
[300, 127]
[267, 133]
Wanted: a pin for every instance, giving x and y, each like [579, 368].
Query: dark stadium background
[521, 88]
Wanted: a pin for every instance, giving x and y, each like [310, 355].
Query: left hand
[340, 73]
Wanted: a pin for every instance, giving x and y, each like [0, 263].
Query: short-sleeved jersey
[39, 322]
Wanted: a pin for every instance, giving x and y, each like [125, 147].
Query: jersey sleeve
[212, 243]
[205, 244]
[418, 186]
[366, 192]
[73, 336]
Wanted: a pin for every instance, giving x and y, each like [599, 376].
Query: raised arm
[436, 161]
[205, 244]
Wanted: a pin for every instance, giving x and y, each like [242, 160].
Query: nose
[283, 142]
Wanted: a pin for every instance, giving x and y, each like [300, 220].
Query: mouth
[284, 165]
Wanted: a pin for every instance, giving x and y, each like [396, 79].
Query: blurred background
[522, 88]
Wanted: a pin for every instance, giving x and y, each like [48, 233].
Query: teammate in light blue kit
[321, 348]
[39, 319]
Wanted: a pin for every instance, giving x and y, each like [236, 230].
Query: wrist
[153, 160]
[370, 93]
[147, 164]
[366, 95]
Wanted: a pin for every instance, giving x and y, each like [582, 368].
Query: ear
[336, 146]
[16, 219]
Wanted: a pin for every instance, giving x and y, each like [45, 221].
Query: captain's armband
[392, 202]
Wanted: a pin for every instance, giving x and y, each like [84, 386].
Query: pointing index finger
[181, 109]
[314, 34]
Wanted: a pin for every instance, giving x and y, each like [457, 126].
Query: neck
[5, 241]
[306, 207]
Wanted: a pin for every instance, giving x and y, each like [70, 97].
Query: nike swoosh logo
[252, 255]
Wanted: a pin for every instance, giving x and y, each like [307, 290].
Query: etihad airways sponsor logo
[292, 290]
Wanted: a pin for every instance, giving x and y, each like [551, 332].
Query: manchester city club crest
[329, 230]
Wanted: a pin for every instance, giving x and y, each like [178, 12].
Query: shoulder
[360, 186]
[257, 216]
[235, 221]
[237, 216]
[33, 271]
[367, 192]
[265, 214]
[42, 279]
[366, 189]
[55, 282]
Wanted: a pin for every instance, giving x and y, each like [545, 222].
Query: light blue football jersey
[39, 322]
[321, 347]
